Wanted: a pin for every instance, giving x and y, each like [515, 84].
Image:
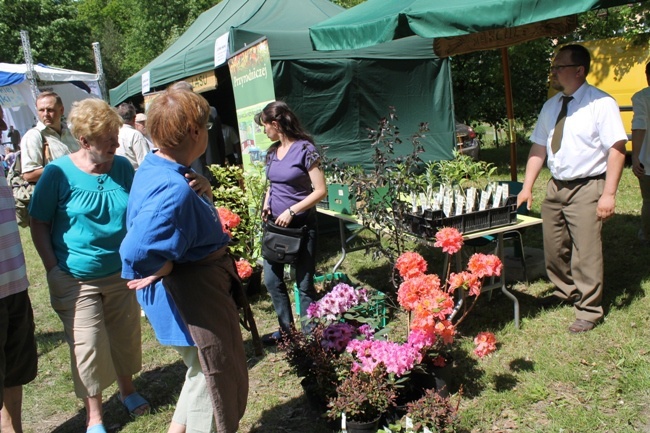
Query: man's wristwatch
[291, 212]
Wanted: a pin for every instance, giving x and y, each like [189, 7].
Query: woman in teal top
[78, 214]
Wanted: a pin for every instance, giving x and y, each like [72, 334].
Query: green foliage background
[133, 32]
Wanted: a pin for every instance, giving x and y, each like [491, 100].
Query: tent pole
[512, 137]
[27, 52]
[100, 70]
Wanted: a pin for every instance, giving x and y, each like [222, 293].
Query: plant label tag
[424, 201]
[436, 202]
[471, 199]
[485, 197]
[446, 205]
[414, 202]
[496, 201]
[460, 203]
[506, 192]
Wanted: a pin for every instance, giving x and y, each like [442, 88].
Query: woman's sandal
[136, 404]
[97, 428]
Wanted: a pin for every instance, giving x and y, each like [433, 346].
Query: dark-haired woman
[296, 185]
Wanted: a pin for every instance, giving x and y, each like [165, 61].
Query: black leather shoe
[271, 339]
[552, 301]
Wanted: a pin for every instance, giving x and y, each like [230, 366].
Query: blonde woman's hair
[92, 117]
[173, 114]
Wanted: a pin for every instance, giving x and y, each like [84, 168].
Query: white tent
[17, 99]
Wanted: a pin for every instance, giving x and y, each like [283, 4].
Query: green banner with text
[252, 82]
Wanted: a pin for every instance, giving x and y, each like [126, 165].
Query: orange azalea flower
[486, 343]
[437, 305]
[411, 265]
[229, 220]
[413, 290]
[445, 330]
[424, 322]
[449, 239]
[485, 265]
[440, 361]
[465, 280]
[244, 268]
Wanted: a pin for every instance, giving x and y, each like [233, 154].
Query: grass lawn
[542, 379]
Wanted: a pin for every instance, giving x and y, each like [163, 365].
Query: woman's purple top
[289, 177]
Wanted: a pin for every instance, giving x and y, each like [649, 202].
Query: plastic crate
[427, 224]
[376, 308]
[340, 198]
[321, 282]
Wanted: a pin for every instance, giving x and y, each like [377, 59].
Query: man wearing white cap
[133, 145]
[141, 125]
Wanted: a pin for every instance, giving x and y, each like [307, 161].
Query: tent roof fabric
[11, 74]
[378, 21]
[285, 23]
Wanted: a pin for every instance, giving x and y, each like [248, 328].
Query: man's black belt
[579, 181]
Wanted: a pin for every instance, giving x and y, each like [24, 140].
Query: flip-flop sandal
[97, 428]
[135, 401]
[581, 326]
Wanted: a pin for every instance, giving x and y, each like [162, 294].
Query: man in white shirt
[133, 145]
[581, 133]
[141, 126]
[50, 129]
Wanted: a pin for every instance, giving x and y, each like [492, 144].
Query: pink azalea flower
[367, 331]
[449, 239]
[410, 265]
[416, 289]
[397, 358]
[337, 336]
[421, 338]
[465, 280]
[244, 269]
[338, 301]
[440, 361]
[229, 220]
[486, 343]
[483, 265]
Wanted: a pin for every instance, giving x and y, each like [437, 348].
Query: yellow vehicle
[618, 68]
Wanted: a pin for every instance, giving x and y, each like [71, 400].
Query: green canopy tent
[457, 27]
[337, 95]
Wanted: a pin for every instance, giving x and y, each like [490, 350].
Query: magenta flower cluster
[338, 301]
[421, 340]
[397, 358]
[337, 336]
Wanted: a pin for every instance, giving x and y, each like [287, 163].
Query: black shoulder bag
[282, 244]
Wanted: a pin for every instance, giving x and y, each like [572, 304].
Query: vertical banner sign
[146, 82]
[252, 82]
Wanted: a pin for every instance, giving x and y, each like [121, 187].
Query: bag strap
[47, 157]
[267, 186]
